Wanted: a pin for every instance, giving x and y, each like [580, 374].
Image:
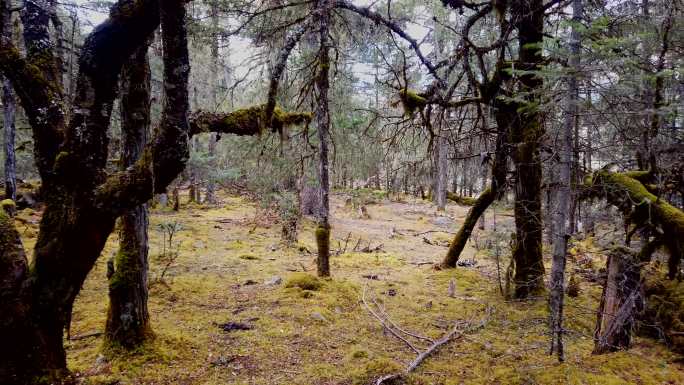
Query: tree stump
[621, 301]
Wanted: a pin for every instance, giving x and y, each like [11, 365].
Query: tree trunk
[210, 197]
[458, 243]
[323, 125]
[526, 135]
[441, 172]
[127, 317]
[495, 190]
[82, 199]
[561, 232]
[10, 106]
[621, 300]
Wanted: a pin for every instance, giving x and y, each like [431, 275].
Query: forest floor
[229, 264]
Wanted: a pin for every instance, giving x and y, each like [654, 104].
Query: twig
[86, 335]
[387, 317]
[455, 332]
[382, 322]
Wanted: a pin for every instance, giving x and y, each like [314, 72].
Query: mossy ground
[325, 336]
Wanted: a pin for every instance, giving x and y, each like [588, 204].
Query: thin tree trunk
[441, 174]
[495, 190]
[323, 126]
[564, 193]
[127, 317]
[10, 107]
[210, 197]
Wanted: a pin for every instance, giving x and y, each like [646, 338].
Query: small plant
[288, 210]
[170, 251]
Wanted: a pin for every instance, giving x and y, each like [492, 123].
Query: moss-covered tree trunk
[323, 126]
[127, 317]
[495, 189]
[642, 210]
[527, 135]
[9, 105]
[82, 198]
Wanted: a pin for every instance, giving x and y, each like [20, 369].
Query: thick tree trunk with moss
[9, 105]
[127, 317]
[82, 199]
[527, 135]
[323, 126]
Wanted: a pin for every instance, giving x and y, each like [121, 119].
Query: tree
[323, 126]
[127, 317]
[82, 199]
[9, 111]
[564, 195]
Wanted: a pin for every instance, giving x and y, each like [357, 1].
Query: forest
[342, 192]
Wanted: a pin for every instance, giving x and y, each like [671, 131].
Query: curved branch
[279, 67]
[165, 157]
[394, 27]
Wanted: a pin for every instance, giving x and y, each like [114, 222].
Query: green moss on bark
[411, 101]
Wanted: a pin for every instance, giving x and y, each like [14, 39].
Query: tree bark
[621, 300]
[441, 172]
[495, 190]
[561, 232]
[323, 125]
[9, 111]
[127, 317]
[210, 196]
[527, 135]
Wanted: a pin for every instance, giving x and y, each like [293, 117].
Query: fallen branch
[385, 324]
[455, 332]
[85, 335]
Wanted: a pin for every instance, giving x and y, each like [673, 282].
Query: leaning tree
[82, 199]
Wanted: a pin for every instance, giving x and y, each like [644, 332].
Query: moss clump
[249, 257]
[374, 369]
[359, 354]
[246, 121]
[411, 101]
[304, 281]
[461, 200]
[664, 313]
[8, 206]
